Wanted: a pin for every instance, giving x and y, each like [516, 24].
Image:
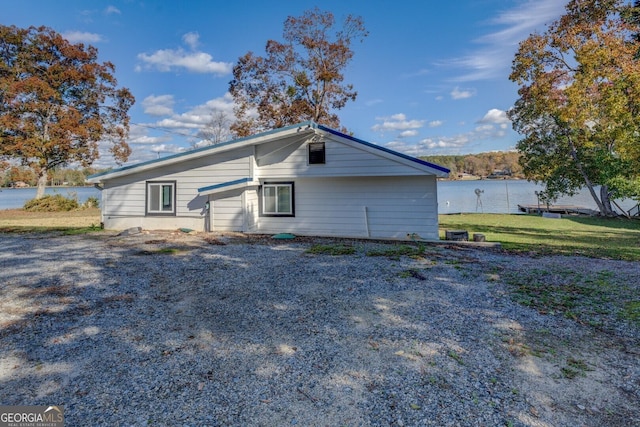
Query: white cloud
[82, 37]
[435, 123]
[198, 62]
[166, 60]
[191, 40]
[488, 131]
[457, 93]
[167, 148]
[493, 59]
[495, 116]
[158, 105]
[484, 128]
[396, 122]
[430, 145]
[111, 10]
[197, 117]
[408, 133]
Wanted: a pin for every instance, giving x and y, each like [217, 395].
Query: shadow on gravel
[126, 331]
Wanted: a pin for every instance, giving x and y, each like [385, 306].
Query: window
[277, 199]
[316, 153]
[161, 198]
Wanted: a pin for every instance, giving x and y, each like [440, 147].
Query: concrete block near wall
[130, 231]
[458, 235]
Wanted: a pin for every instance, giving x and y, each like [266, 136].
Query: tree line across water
[495, 164]
[23, 176]
[498, 164]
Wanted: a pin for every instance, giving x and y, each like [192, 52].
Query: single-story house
[305, 179]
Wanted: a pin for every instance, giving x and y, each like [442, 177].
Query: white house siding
[123, 199]
[251, 211]
[341, 159]
[378, 207]
[227, 214]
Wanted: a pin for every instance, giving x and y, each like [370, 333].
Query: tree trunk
[42, 183]
[574, 154]
[606, 201]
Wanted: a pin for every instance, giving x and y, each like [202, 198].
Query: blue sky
[432, 76]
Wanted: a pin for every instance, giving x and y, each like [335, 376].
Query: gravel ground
[171, 329]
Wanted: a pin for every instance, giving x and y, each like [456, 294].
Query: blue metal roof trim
[209, 147]
[387, 150]
[224, 184]
[262, 134]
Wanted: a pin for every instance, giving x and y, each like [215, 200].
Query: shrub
[51, 203]
[91, 202]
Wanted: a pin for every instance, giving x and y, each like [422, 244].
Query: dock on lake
[559, 209]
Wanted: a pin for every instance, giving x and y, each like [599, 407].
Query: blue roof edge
[224, 184]
[208, 147]
[269, 132]
[386, 150]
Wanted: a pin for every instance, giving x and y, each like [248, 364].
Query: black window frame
[147, 210]
[317, 153]
[289, 184]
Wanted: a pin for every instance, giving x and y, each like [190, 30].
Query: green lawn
[589, 236]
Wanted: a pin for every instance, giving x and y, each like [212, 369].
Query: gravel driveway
[171, 329]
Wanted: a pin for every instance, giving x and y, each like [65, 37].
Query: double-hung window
[277, 199]
[161, 198]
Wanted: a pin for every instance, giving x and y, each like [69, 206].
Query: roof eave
[437, 170]
[182, 157]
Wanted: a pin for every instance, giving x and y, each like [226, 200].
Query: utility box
[459, 235]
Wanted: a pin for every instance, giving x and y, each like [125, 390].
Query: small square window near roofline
[316, 153]
[161, 198]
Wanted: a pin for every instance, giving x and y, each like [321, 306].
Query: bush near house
[51, 203]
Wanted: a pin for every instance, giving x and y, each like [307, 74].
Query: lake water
[14, 198]
[502, 196]
[498, 196]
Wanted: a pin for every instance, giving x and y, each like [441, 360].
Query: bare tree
[299, 79]
[215, 131]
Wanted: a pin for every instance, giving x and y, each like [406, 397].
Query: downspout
[366, 221]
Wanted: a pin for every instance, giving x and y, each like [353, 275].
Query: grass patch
[19, 220]
[597, 299]
[72, 222]
[575, 368]
[396, 252]
[411, 273]
[455, 356]
[631, 312]
[613, 238]
[334, 250]
[171, 250]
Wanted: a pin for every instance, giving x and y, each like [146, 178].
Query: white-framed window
[277, 199]
[161, 198]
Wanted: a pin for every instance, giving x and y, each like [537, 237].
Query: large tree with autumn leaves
[579, 105]
[58, 102]
[299, 79]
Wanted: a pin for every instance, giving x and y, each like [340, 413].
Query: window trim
[147, 209]
[292, 199]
